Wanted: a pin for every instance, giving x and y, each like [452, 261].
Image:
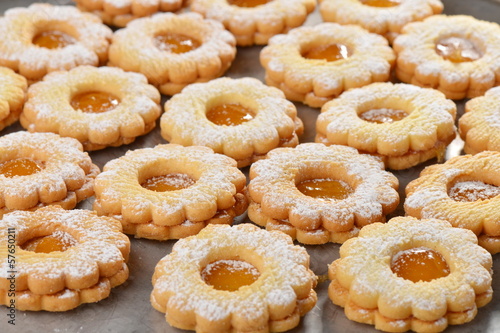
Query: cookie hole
[54, 35]
[248, 3]
[419, 264]
[176, 43]
[470, 191]
[328, 52]
[229, 275]
[229, 114]
[56, 241]
[168, 182]
[20, 167]
[383, 115]
[381, 3]
[457, 49]
[94, 102]
[325, 188]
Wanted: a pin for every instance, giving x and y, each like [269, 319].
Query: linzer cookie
[234, 279]
[12, 96]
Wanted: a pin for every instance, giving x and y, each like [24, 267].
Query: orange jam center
[381, 3]
[229, 275]
[380, 116]
[19, 167]
[176, 43]
[170, 182]
[248, 3]
[58, 241]
[472, 191]
[419, 264]
[326, 189]
[53, 39]
[456, 49]
[94, 102]
[229, 114]
[330, 52]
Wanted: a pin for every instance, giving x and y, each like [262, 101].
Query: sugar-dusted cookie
[98, 106]
[410, 274]
[43, 38]
[63, 258]
[170, 191]
[234, 279]
[464, 191]
[314, 64]
[172, 50]
[12, 96]
[319, 194]
[403, 124]
[454, 54]
[241, 118]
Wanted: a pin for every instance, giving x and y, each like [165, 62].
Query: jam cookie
[98, 106]
[234, 279]
[38, 169]
[464, 191]
[454, 54]
[170, 191]
[403, 124]
[319, 194]
[12, 95]
[314, 64]
[384, 17]
[241, 118]
[43, 38]
[173, 51]
[64, 258]
[413, 274]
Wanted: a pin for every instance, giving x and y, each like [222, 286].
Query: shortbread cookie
[43, 38]
[12, 96]
[454, 54]
[173, 51]
[410, 274]
[314, 64]
[384, 17]
[63, 258]
[403, 124]
[464, 191]
[98, 106]
[319, 194]
[38, 169]
[234, 279]
[241, 118]
[170, 191]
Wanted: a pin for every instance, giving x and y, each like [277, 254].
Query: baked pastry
[464, 191]
[172, 50]
[413, 274]
[478, 127]
[234, 279]
[98, 106]
[384, 17]
[43, 38]
[455, 54]
[12, 96]
[63, 258]
[241, 118]
[314, 64]
[170, 191]
[39, 169]
[403, 124]
[319, 194]
[255, 21]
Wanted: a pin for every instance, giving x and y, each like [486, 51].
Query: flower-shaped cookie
[243, 118]
[279, 292]
[383, 276]
[172, 50]
[314, 64]
[12, 95]
[318, 194]
[43, 38]
[402, 123]
[63, 258]
[98, 106]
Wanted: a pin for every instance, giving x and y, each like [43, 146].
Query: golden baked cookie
[12, 96]
[98, 106]
[241, 118]
[234, 279]
[314, 64]
[319, 194]
[63, 258]
[384, 17]
[38, 169]
[403, 124]
[43, 38]
[170, 191]
[172, 50]
[410, 274]
[464, 191]
[455, 54]
[255, 21]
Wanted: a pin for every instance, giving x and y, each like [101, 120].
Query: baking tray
[128, 309]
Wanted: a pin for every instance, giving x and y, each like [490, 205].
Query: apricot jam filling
[229, 114]
[329, 52]
[381, 3]
[456, 49]
[383, 115]
[229, 275]
[470, 191]
[326, 189]
[53, 39]
[419, 264]
[176, 43]
[248, 3]
[57, 241]
[19, 167]
[169, 182]
[94, 102]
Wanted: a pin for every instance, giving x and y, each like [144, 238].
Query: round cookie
[12, 96]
